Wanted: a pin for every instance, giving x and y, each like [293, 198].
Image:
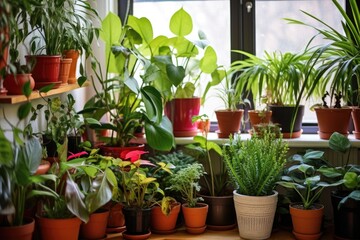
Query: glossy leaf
[75, 200]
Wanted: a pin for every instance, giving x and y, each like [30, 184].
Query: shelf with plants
[13, 99]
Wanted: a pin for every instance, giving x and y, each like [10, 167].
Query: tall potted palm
[277, 78]
[336, 65]
[254, 166]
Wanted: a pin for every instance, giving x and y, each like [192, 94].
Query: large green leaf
[142, 26]
[208, 62]
[176, 74]
[160, 136]
[339, 142]
[153, 103]
[110, 33]
[75, 200]
[181, 23]
[100, 193]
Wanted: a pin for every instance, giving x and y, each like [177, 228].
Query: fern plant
[255, 165]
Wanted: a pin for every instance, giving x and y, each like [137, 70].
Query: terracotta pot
[347, 217]
[137, 220]
[307, 222]
[65, 64]
[95, 228]
[340, 119]
[195, 218]
[59, 229]
[258, 117]
[180, 112]
[221, 214]
[118, 152]
[229, 122]
[116, 217]
[164, 224]
[15, 83]
[74, 55]
[23, 232]
[355, 113]
[46, 69]
[283, 116]
[43, 167]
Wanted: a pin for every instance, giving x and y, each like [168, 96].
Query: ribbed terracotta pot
[74, 55]
[46, 69]
[229, 122]
[15, 83]
[65, 64]
[332, 120]
[23, 232]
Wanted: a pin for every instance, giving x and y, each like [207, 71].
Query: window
[250, 25]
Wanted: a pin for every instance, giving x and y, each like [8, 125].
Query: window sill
[305, 140]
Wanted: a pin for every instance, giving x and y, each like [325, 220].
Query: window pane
[211, 17]
[273, 33]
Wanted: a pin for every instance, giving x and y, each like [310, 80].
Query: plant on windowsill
[127, 101]
[336, 68]
[254, 167]
[302, 175]
[180, 66]
[186, 182]
[279, 78]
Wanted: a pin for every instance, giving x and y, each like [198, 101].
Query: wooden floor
[218, 235]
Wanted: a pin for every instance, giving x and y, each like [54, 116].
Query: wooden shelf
[13, 99]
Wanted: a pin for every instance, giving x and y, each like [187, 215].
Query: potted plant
[277, 77]
[127, 102]
[180, 65]
[230, 118]
[138, 190]
[164, 215]
[303, 177]
[336, 69]
[345, 199]
[19, 160]
[186, 182]
[97, 182]
[216, 188]
[254, 166]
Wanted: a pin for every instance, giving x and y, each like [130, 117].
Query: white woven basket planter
[255, 215]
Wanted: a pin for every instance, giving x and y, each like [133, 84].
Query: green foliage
[177, 160]
[302, 175]
[129, 102]
[346, 175]
[186, 182]
[256, 164]
[178, 63]
[336, 61]
[277, 77]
